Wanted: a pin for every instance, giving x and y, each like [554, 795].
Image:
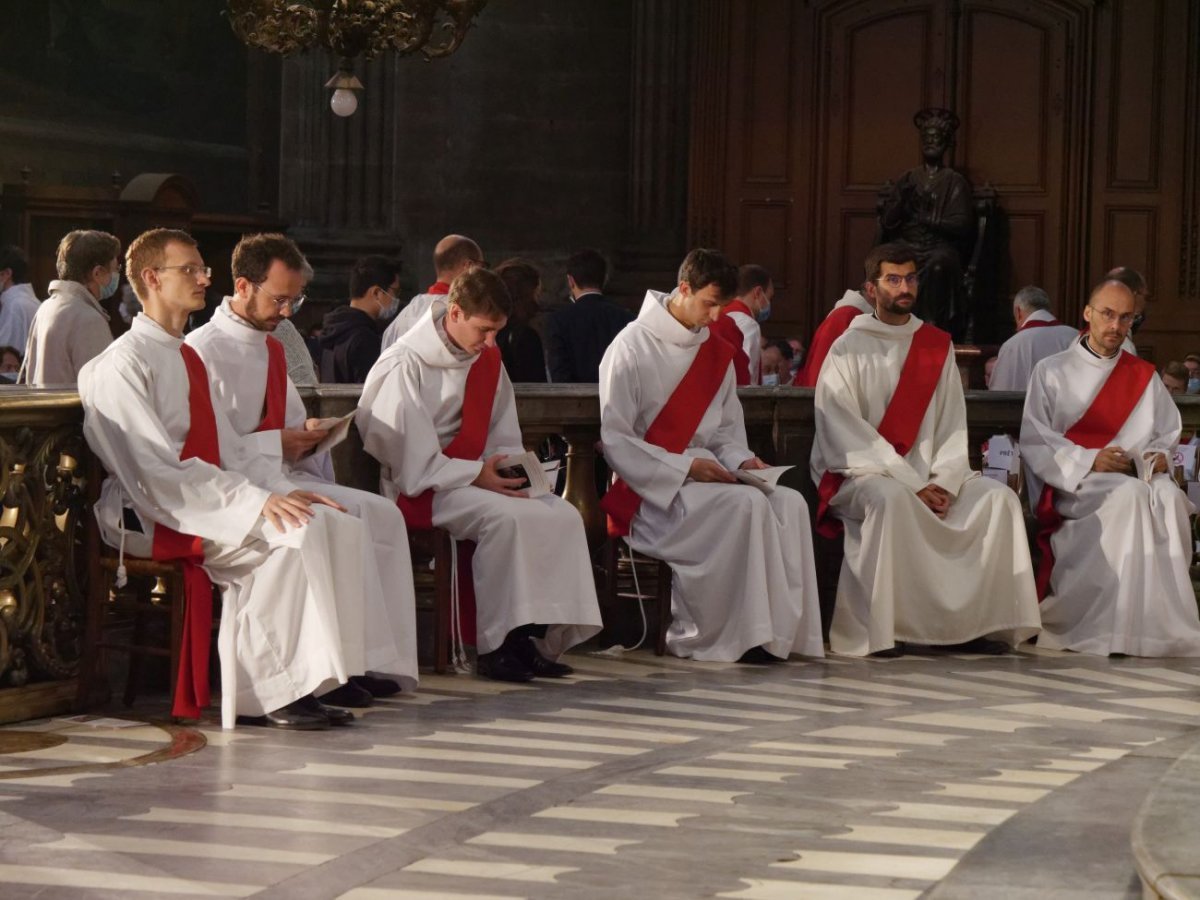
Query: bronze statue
[931, 208]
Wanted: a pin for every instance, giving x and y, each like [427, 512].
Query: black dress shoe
[758, 656]
[293, 717]
[527, 652]
[893, 652]
[376, 687]
[502, 665]
[978, 645]
[348, 694]
[334, 715]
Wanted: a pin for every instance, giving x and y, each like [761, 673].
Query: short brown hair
[481, 293]
[1176, 370]
[750, 277]
[704, 267]
[147, 251]
[81, 251]
[897, 253]
[254, 253]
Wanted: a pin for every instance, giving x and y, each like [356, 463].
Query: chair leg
[91, 659]
[662, 589]
[442, 562]
[178, 601]
[133, 677]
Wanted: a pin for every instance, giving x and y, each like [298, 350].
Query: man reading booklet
[439, 414]
[1096, 436]
[672, 429]
[933, 553]
[250, 385]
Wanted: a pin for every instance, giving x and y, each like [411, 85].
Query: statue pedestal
[970, 359]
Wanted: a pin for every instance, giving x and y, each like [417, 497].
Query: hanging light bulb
[344, 101]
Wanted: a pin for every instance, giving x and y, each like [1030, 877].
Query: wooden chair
[613, 564]
[435, 544]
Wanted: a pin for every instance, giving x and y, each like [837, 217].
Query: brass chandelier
[353, 28]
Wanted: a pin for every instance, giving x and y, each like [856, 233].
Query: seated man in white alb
[1038, 335]
[1116, 542]
[439, 414]
[454, 255]
[671, 423]
[934, 554]
[185, 486]
[250, 385]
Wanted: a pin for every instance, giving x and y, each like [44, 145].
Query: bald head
[1109, 314]
[455, 255]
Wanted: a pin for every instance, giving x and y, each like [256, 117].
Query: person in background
[18, 303]
[351, 335]
[1175, 378]
[520, 346]
[1191, 362]
[776, 363]
[577, 335]
[10, 364]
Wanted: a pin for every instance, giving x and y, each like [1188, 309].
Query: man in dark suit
[578, 335]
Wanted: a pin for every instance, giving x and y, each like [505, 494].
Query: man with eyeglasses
[251, 387]
[1098, 431]
[351, 335]
[934, 554]
[184, 486]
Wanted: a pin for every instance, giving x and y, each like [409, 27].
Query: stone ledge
[1164, 833]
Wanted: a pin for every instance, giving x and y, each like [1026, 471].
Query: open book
[763, 479]
[1143, 464]
[539, 477]
[339, 428]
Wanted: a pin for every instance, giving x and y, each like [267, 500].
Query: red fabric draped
[1095, 430]
[191, 686]
[1038, 323]
[478, 398]
[275, 399]
[438, 287]
[827, 332]
[905, 411]
[674, 426]
[727, 329]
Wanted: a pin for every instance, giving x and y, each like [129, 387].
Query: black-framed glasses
[280, 302]
[189, 270]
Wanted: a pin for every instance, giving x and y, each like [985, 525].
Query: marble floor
[928, 776]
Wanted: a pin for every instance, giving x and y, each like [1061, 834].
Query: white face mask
[393, 306]
[771, 379]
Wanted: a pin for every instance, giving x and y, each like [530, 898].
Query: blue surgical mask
[1193, 386]
[771, 379]
[110, 287]
[763, 314]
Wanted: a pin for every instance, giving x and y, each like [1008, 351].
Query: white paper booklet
[539, 477]
[339, 428]
[763, 479]
[1143, 463]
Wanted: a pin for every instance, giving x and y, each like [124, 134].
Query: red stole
[438, 287]
[275, 399]
[479, 396]
[827, 332]
[1038, 323]
[674, 426]
[727, 329]
[1095, 430]
[905, 411]
[191, 686]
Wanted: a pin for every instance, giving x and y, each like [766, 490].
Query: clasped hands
[295, 508]
[937, 498]
[1115, 459]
